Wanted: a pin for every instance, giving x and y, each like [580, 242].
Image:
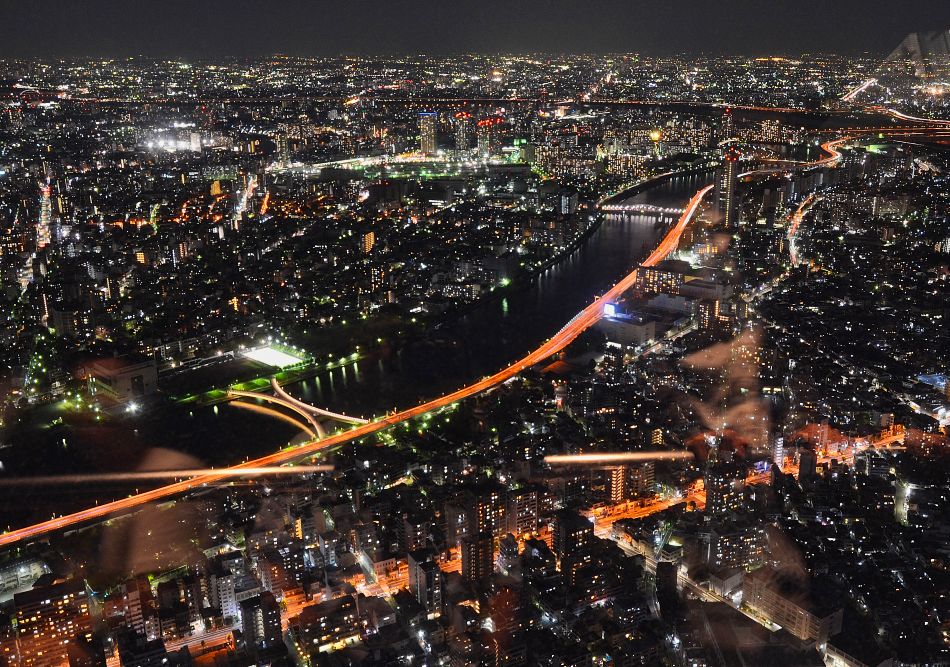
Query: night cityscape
[597, 336]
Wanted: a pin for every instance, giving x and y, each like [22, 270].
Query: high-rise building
[617, 484]
[508, 555]
[46, 216]
[506, 609]
[455, 517]
[463, 131]
[260, 621]
[367, 242]
[487, 505]
[572, 533]
[141, 610]
[425, 581]
[477, 556]
[726, 185]
[736, 545]
[486, 132]
[807, 464]
[412, 532]
[48, 619]
[728, 128]
[725, 487]
[428, 132]
[641, 479]
[522, 512]
[778, 451]
[283, 149]
[707, 312]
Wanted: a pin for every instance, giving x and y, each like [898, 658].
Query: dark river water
[498, 332]
[485, 339]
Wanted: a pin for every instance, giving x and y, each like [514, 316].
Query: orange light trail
[859, 89]
[829, 147]
[796, 221]
[916, 119]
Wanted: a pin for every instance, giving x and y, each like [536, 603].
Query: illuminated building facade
[428, 132]
[463, 131]
[572, 533]
[48, 619]
[486, 132]
[708, 314]
[486, 510]
[726, 184]
[477, 556]
[736, 545]
[425, 581]
[725, 488]
[46, 216]
[522, 514]
[328, 626]
[641, 479]
[779, 599]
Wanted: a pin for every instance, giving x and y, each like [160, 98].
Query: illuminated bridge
[315, 425]
[335, 416]
[311, 414]
[642, 209]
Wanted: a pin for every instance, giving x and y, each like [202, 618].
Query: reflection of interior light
[270, 412]
[614, 457]
[163, 475]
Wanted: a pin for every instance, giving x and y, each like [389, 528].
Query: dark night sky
[209, 28]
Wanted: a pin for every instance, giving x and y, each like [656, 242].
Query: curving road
[312, 409]
[316, 426]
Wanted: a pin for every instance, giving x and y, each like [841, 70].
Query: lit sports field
[271, 356]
